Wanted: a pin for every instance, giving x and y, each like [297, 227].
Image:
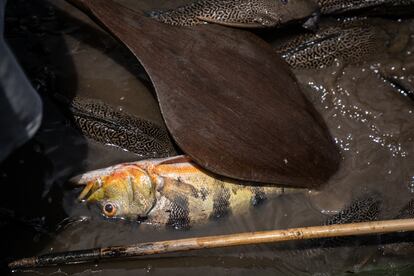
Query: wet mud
[367, 104]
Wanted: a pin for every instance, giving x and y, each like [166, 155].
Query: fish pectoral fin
[230, 24]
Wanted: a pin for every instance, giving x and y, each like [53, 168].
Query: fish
[350, 42]
[272, 13]
[239, 13]
[174, 192]
[103, 123]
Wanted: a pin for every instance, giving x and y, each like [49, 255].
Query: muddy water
[64, 52]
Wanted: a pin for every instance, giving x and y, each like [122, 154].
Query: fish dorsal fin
[175, 160]
[151, 164]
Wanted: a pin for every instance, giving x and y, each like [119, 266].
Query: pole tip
[23, 263]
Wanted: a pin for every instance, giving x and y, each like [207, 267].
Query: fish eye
[284, 2]
[109, 209]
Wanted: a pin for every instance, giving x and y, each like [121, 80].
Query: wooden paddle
[228, 100]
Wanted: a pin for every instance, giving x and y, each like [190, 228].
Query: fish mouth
[92, 181]
[85, 192]
[90, 188]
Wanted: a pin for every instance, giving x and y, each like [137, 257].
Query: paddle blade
[228, 100]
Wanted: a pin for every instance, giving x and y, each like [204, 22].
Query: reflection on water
[366, 106]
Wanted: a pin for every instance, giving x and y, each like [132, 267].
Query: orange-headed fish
[171, 191]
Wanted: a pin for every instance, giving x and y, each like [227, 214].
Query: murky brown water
[64, 52]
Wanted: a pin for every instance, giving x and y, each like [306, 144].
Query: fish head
[273, 13]
[124, 191]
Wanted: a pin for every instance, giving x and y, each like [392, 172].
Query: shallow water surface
[364, 106]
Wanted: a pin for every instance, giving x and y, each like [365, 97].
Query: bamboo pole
[180, 245]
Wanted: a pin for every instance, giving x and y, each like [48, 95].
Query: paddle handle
[249, 238]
